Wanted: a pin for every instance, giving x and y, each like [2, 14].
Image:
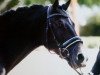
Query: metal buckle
[64, 53]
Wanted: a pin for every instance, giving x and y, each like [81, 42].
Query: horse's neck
[21, 27]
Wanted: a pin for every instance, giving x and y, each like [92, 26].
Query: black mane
[21, 31]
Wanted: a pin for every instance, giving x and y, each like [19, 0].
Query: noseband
[62, 47]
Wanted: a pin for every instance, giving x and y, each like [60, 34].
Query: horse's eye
[60, 24]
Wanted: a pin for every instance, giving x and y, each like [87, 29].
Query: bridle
[65, 45]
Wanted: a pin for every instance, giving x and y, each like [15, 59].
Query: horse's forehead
[63, 12]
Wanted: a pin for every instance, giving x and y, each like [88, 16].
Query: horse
[26, 28]
[96, 67]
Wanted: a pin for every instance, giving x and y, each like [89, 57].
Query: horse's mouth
[76, 66]
[79, 65]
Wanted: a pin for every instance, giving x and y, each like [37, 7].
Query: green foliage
[1, 1]
[52, 1]
[89, 2]
[10, 4]
[13, 3]
[92, 28]
[28, 2]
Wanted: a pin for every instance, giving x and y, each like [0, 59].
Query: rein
[67, 43]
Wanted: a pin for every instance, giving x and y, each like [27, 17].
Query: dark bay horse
[26, 28]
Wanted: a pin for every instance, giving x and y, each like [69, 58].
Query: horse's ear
[66, 5]
[56, 4]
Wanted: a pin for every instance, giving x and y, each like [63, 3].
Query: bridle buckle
[64, 53]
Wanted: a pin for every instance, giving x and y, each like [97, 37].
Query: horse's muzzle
[77, 62]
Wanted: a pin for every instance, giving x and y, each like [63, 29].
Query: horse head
[61, 35]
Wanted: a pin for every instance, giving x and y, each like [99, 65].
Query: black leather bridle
[65, 45]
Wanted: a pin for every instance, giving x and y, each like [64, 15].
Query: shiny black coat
[21, 31]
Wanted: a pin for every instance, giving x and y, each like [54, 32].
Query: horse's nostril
[80, 58]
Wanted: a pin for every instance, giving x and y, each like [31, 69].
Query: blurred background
[86, 16]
